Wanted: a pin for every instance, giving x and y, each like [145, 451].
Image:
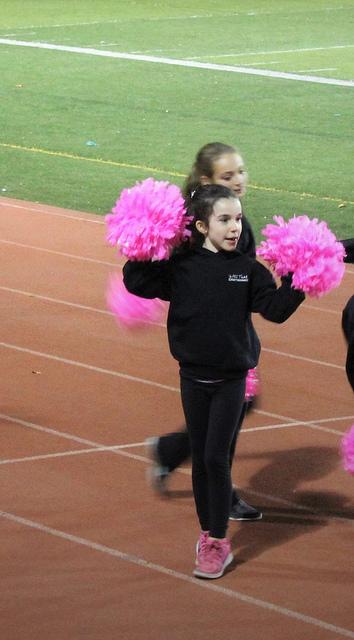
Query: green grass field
[149, 118]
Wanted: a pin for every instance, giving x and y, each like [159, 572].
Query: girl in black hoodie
[212, 289]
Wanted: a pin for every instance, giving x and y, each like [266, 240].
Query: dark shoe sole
[246, 518]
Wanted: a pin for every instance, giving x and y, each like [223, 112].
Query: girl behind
[215, 163]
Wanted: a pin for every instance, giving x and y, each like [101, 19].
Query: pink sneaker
[216, 556]
[201, 544]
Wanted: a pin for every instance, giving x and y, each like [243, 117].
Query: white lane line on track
[72, 452]
[59, 214]
[290, 422]
[122, 451]
[120, 447]
[322, 310]
[31, 294]
[316, 513]
[110, 264]
[179, 63]
[89, 367]
[48, 430]
[59, 454]
[36, 296]
[59, 253]
[311, 424]
[303, 359]
[126, 376]
[78, 218]
[177, 575]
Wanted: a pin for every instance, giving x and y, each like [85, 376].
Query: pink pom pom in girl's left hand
[252, 384]
[148, 221]
[129, 310]
[347, 450]
[307, 249]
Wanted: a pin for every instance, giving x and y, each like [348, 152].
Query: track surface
[87, 550]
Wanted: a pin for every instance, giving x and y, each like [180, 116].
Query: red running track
[87, 550]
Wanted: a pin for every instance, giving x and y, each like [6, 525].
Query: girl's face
[229, 171]
[225, 226]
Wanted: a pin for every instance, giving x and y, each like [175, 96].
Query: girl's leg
[174, 449]
[237, 431]
[224, 418]
[196, 399]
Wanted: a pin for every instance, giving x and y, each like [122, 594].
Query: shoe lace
[203, 544]
[215, 549]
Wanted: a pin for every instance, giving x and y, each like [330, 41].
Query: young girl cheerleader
[215, 163]
[212, 289]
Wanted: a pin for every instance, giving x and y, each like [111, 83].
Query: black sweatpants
[212, 412]
[174, 448]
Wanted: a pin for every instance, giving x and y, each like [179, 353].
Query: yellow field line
[125, 165]
[71, 156]
[301, 195]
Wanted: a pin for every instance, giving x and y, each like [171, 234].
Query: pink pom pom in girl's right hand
[347, 450]
[131, 311]
[148, 221]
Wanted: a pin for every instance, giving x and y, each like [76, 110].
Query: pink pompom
[347, 450]
[308, 249]
[252, 384]
[129, 310]
[148, 221]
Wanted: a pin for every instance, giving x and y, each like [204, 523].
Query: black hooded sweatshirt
[211, 298]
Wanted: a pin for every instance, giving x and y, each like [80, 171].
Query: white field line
[227, 14]
[312, 70]
[179, 63]
[272, 52]
[261, 63]
[177, 575]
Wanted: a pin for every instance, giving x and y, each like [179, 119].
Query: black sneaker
[157, 474]
[240, 510]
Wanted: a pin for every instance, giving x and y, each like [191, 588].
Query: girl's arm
[274, 304]
[348, 328]
[147, 279]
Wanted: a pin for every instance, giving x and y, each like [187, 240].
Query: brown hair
[204, 165]
[201, 207]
